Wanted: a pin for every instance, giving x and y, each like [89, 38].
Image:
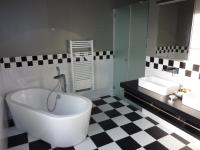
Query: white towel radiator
[82, 65]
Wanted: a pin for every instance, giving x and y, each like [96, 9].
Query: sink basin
[192, 100]
[158, 85]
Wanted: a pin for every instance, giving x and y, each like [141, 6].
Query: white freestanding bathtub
[66, 126]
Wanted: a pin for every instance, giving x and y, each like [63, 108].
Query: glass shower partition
[130, 36]
[121, 46]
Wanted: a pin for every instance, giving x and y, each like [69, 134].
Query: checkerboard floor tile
[114, 125]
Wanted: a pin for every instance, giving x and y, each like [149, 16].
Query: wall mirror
[174, 28]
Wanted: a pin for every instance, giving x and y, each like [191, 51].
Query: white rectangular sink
[158, 85]
[192, 100]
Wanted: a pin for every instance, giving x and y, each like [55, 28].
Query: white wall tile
[148, 58]
[104, 74]
[3, 117]
[40, 57]
[176, 64]
[192, 83]
[155, 60]
[42, 76]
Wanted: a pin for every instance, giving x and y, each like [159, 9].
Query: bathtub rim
[9, 99]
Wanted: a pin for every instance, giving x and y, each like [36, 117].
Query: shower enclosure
[129, 43]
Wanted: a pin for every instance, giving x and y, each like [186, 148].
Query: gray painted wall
[32, 27]
[184, 23]
[175, 21]
[152, 29]
[167, 26]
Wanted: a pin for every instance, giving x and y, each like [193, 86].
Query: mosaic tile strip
[172, 49]
[187, 69]
[48, 59]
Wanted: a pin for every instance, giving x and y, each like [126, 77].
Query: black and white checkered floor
[114, 125]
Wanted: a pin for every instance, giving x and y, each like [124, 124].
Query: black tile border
[161, 64]
[28, 61]
[188, 73]
[195, 67]
[172, 49]
[182, 65]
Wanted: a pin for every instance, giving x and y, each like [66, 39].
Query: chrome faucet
[173, 70]
[62, 80]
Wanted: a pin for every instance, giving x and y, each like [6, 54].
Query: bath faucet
[173, 70]
[62, 80]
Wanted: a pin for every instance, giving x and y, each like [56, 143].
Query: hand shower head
[58, 70]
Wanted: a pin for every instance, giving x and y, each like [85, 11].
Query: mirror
[174, 28]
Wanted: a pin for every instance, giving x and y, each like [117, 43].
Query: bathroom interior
[99, 74]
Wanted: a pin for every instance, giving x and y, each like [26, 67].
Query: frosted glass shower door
[121, 45]
[130, 36]
[138, 40]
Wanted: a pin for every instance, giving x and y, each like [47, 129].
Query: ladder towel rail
[83, 69]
